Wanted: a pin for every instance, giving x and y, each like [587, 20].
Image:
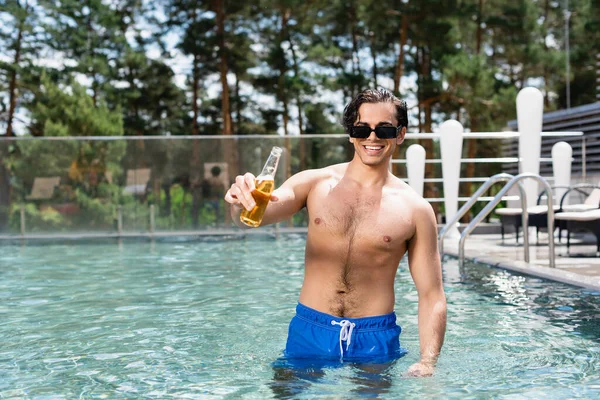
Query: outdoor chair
[43, 188]
[137, 181]
[538, 215]
[575, 221]
[591, 202]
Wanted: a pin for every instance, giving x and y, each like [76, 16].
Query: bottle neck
[271, 165]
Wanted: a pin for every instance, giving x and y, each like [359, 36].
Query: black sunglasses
[382, 132]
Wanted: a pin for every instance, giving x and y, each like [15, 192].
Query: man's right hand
[240, 192]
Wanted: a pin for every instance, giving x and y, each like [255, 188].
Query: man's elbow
[436, 302]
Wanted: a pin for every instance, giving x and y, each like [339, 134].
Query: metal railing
[492, 204]
[477, 196]
[494, 160]
[168, 162]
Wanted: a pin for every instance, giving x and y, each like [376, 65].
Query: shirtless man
[362, 220]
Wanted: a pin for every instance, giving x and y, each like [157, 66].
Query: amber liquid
[262, 195]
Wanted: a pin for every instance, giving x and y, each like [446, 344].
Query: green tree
[430, 40]
[584, 22]
[89, 35]
[19, 41]
[87, 167]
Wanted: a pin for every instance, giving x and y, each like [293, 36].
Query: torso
[356, 239]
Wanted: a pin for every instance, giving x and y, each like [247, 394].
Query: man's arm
[287, 200]
[426, 270]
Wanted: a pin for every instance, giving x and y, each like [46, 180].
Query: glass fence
[158, 184]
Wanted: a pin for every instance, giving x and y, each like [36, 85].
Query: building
[583, 118]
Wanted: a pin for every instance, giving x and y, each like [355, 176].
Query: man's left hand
[420, 369]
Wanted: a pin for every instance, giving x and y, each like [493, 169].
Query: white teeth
[373, 147]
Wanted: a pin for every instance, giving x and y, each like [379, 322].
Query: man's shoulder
[319, 174]
[408, 196]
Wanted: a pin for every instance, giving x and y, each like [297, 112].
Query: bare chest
[373, 219]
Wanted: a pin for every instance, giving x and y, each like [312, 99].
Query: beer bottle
[264, 185]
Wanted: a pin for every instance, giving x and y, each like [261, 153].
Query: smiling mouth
[373, 149]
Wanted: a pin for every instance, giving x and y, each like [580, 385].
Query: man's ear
[350, 139]
[401, 136]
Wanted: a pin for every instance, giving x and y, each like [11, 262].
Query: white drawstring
[345, 333]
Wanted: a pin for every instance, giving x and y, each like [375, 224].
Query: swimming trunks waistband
[375, 323]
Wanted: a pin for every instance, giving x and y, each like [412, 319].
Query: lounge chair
[137, 181]
[575, 221]
[538, 215]
[591, 202]
[43, 188]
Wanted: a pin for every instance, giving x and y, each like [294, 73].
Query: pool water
[207, 319]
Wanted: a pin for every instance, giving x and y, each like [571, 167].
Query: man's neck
[367, 175]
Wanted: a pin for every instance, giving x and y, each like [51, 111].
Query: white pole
[415, 167]
[451, 141]
[530, 108]
[562, 158]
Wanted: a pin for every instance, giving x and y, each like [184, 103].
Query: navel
[387, 239]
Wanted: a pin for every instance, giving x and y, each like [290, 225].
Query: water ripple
[207, 319]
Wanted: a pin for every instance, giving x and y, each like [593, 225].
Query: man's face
[373, 150]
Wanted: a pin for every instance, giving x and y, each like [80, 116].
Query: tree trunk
[546, 71]
[195, 185]
[229, 145]
[285, 15]
[374, 57]
[136, 112]
[238, 105]
[90, 51]
[355, 60]
[399, 71]
[301, 145]
[470, 170]
[472, 144]
[479, 27]
[195, 88]
[195, 177]
[94, 91]
[283, 35]
[429, 189]
[223, 69]
[5, 191]
[165, 210]
[12, 89]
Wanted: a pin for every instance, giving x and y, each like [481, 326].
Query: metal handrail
[467, 206]
[500, 160]
[492, 204]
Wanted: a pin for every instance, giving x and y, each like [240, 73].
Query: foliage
[132, 67]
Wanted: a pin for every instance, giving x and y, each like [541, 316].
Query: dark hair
[374, 96]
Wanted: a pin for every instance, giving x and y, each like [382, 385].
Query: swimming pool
[207, 319]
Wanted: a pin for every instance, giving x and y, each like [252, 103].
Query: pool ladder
[512, 181]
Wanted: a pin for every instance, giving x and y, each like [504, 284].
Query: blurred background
[131, 115]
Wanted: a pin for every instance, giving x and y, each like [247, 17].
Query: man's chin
[372, 161]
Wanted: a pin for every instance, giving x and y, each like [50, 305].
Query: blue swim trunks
[313, 334]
